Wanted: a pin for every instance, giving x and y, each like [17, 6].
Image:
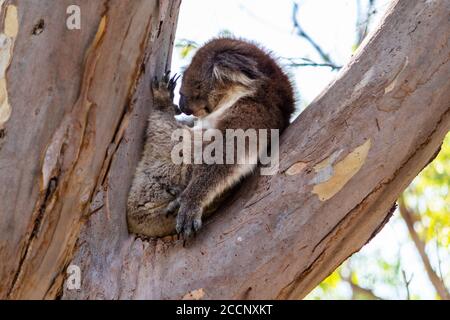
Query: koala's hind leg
[196, 201]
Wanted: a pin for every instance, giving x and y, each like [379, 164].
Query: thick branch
[343, 163]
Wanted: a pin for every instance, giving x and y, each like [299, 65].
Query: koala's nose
[183, 106]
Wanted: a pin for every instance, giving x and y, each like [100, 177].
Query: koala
[230, 84]
[157, 180]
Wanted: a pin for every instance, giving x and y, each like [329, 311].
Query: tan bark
[343, 163]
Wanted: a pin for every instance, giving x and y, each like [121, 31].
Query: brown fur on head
[223, 65]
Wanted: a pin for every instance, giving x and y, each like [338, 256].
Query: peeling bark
[343, 163]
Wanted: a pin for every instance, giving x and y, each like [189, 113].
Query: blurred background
[313, 39]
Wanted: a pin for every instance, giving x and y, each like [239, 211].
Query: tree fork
[343, 163]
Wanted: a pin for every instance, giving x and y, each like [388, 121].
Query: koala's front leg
[163, 91]
[207, 183]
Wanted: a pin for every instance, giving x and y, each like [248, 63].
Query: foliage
[429, 197]
[186, 47]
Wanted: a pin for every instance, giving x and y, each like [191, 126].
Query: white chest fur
[211, 120]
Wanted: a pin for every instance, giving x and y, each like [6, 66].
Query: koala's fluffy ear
[235, 67]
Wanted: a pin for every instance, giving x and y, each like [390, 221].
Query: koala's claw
[172, 207]
[173, 82]
[166, 78]
[163, 90]
[174, 190]
[189, 221]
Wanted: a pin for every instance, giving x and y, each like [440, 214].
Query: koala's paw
[163, 90]
[189, 220]
[172, 207]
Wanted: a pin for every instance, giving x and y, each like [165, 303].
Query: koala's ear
[235, 67]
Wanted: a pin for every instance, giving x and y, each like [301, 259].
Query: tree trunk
[343, 162]
[71, 94]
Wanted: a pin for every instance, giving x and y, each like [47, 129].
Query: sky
[331, 23]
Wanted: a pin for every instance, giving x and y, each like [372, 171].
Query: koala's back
[155, 179]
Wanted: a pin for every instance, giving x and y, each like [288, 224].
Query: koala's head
[218, 68]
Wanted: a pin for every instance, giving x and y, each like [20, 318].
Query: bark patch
[336, 177]
[296, 168]
[7, 38]
[194, 295]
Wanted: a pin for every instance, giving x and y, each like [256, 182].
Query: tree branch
[358, 290]
[343, 163]
[363, 20]
[292, 62]
[301, 33]
[409, 219]
[407, 282]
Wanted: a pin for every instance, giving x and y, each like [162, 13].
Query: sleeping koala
[230, 84]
